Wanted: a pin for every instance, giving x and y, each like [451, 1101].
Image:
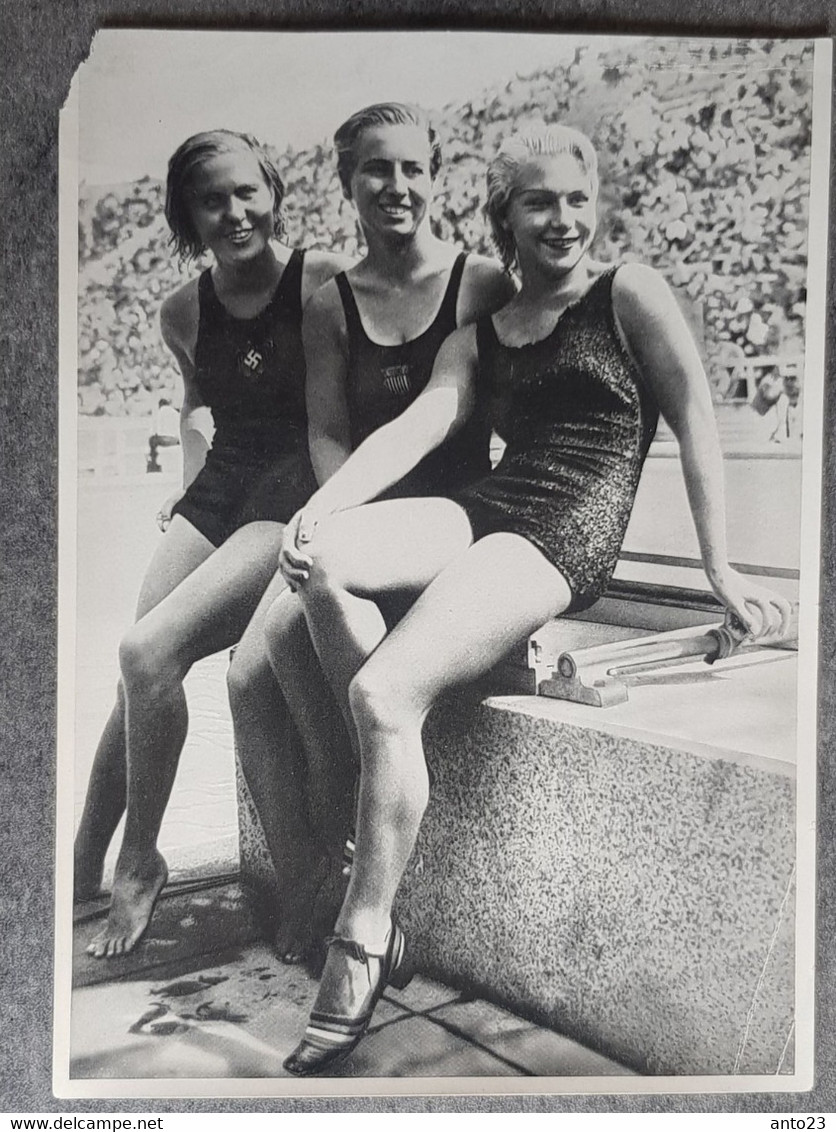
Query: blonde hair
[540, 141]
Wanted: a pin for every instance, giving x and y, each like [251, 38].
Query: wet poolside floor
[203, 997]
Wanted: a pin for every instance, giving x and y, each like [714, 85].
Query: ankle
[372, 932]
[141, 864]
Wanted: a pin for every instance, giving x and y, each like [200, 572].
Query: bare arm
[326, 359]
[176, 318]
[319, 268]
[392, 450]
[486, 288]
[661, 343]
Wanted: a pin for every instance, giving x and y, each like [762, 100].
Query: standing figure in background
[165, 433]
[236, 334]
[788, 413]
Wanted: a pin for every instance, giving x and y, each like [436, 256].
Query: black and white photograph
[439, 534]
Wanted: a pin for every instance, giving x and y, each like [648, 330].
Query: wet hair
[380, 114]
[193, 152]
[548, 141]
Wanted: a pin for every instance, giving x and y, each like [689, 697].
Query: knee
[246, 676]
[379, 702]
[389, 724]
[285, 629]
[145, 662]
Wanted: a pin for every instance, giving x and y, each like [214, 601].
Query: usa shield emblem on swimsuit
[396, 379]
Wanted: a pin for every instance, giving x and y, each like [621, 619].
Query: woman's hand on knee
[294, 562]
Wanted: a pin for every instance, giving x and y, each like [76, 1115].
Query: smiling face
[551, 214]
[391, 185]
[231, 206]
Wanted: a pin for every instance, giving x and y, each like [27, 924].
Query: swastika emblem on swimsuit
[252, 361]
[396, 379]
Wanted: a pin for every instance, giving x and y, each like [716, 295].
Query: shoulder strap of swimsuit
[289, 290]
[600, 296]
[206, 294]
[602, 287]
[486, 343]
[447, 310]
[353, 322]
[210, 310]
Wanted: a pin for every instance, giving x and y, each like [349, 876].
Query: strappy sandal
[330, 1038]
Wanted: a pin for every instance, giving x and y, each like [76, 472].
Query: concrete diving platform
[624, 876]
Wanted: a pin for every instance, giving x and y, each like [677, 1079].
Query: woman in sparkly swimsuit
[573, 368]
[371, 336]
[236, 334]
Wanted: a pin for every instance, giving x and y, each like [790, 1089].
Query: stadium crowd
[705, 152]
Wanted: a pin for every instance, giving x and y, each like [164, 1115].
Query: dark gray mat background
[41, 45]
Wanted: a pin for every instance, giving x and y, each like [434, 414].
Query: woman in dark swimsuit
[236, 334]
[371, 337]
[575, 369]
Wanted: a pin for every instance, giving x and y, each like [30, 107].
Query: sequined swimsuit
[251, 374]
[577, 420]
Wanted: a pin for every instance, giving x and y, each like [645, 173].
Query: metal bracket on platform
[601, 675]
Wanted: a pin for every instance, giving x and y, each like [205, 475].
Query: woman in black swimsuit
[574, 369]
[371, 336]
[236, 334]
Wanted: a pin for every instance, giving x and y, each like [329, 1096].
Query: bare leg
[180, 552]
[104, 805]
[331, 773]
[207, 612]
[331, 765]
[483, 604]
[275, 765]
[475, 611]
[358, 555]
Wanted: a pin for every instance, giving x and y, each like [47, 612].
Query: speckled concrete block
[634, 897]
[637, 897]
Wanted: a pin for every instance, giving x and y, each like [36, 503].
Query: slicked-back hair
[516, 151]
[380, 114]
[192, 153]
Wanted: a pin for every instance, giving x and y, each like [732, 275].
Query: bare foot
[309, 910]
[135, 892]
[293, 943]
